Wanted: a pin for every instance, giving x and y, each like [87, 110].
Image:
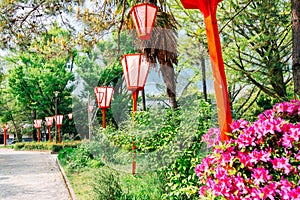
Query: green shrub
[106, 185]
[19, 145]
[172, 142]
[47, 146]
[74, 159]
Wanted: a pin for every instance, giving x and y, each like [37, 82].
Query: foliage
[34, 75]
[256, 38]
[106, 185]
[77, 158]
[169, 143]
[260, 161]
[48, 146]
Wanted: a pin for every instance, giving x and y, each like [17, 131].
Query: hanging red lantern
[58, 119]
[104, 96]
[49, 122]
[70, 116]
[144, 16]
[38, 125]
[135, 69]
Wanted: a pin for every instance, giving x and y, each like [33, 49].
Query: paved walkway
[26, 175]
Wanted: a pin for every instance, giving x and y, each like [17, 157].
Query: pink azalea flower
[282, 163]
[245, 140]
[257, 156]
[284, 189]
[269, 191]
[255, 193]
[260, 175]
[247, 167]
[211, 137]
[244, 158]
[238, 125]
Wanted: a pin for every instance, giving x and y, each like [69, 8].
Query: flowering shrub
[260, 161]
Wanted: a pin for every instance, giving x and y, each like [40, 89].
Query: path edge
[66, 181]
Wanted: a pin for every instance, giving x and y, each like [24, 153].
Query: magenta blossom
[260, 161]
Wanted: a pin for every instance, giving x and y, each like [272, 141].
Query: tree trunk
[34, 135]
[296, 45]
[169, 79]
[203, 68]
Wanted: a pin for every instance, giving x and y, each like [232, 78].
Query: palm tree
[161, 49]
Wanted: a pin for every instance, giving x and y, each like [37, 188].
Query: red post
[134, 98]
[39, 135]
[209, 9]
[103, 118]
[134, 109]
[58, 133]
[49, 133]
[4, 130]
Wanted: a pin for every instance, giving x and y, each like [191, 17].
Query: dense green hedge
[46, 146]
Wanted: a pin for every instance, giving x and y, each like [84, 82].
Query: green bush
[111, 184]
[106, 185]
[172, 141]
[75, 159]
[47, 146]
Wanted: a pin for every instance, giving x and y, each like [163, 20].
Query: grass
[142, 187]
[81, 183]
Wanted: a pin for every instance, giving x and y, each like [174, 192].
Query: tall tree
[35, 74]
[296, 45]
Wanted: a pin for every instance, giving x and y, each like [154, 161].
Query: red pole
[39, 135]
[134, 98]
[209, 10]
[58, 133]
[5, 136]
[220, 84]
[103, 118]
[49, 133]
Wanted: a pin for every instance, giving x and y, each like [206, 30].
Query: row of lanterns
[135, 66]
[38, 125]
[49, 121]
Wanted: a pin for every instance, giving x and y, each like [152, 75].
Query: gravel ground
[26, 175]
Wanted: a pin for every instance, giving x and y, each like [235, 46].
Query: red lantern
[70, 116]
[209, 9]
[58, 119]
[144, 16]
[104, 96]
[38, 125]
[49, 122]
[135, 69]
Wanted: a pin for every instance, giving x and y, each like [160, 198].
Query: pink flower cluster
[260, 161]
